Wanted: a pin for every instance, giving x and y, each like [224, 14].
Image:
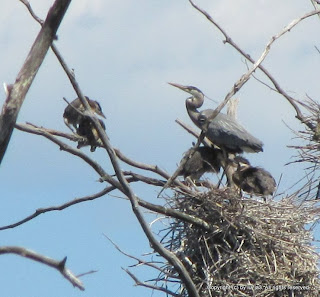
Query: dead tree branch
[228, 39]
[140, 261]
[59, 265]
[18, 91]
[153, 287]
[40, 211]
[63, 146]
[150, 206]
[155, 244]
[125, 188]
[152, 168]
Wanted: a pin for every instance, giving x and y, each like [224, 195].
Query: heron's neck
[192, 111]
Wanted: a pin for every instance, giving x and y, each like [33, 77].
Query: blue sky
[123, 54]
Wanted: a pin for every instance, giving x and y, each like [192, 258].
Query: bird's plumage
[222, 130]
[225, 131]
[88, 130]
[204, 159]
[253, 180]
[71, 115]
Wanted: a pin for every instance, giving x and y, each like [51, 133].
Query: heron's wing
[193, 163]
[224, 131]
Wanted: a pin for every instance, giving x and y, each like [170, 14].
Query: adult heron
[253, 180]
[72, 113]
[222, 130]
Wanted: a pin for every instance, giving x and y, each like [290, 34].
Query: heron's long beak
[100, 113]
[181, 87]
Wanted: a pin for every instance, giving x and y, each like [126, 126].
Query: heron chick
[204, 159]
[222, 130]
[72, 113]
[253, 180]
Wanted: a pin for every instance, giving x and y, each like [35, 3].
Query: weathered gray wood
[19, 89]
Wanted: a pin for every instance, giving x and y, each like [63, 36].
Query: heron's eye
[202, 119]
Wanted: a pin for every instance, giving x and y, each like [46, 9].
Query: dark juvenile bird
[204, 159]
[72, 117]
[253, 180]
[223, 130]
[88, 130]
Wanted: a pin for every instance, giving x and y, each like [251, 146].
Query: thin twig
[72, 137]
[86, 273]
[63, 146]
[59, 265]
[125, 188]
[290, 99]
[40, 211]
[140, 261]
[152, 168]
[143, 284]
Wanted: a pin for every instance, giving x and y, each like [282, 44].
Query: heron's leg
[220, 179]
[228, 169]
[190, 183]
[224, 164]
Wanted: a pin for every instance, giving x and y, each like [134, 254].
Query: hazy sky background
[123, 54]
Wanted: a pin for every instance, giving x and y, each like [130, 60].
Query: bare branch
[59, 265]
[140, 261]
[290, 99]
[176, 214]
[143, 284]
[156, 208]
[88, 112]
[152, 168]
[201, 138]
[27, 4]
[28, 72]
[63, 146]
[40, 211]
[124, 187]
[193, 132]
[86, 273]
[72, 137]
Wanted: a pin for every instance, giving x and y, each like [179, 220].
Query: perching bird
[253, 180]
[88, 130]
[223, 130]
[72, 117]
[204, 159]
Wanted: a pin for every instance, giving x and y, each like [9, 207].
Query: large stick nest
[254, 248]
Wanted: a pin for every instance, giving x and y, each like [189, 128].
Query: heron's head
[189, 89]
[96, 107]
[241, 162]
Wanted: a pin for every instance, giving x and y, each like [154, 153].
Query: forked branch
[59, 265]
[257, 64]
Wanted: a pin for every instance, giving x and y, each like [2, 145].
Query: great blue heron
[71, 116]
[88, 130]
[204, 159]
[223, 130]
[253, 180]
